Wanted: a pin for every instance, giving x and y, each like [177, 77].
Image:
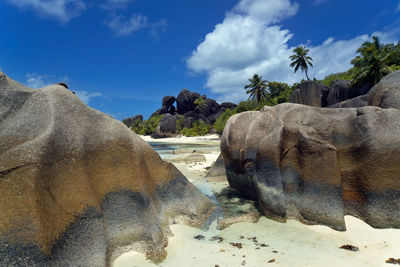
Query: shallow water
[285, 244]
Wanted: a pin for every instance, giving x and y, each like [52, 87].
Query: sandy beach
[253, 241]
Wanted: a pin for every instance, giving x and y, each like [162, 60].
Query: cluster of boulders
[319, 164]
[78, 188]
[187, 109]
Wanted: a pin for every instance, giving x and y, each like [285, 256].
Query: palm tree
[258, 88]
[374, 62]
[301, 60]
[200, 104]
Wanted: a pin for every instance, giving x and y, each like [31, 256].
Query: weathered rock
[356, 102]
[168, 101]
[213, 117]
[386, 94]
[188, 122]
[317, 165]
[217, 168]
[77, 188]
[131, 121]
[212, 107]
[166, 127]
[185, 101]
[339, 91]
[228, 105]
[310, 93]
[172, 110]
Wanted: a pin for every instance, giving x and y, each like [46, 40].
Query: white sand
[207, 139]
[294, 243]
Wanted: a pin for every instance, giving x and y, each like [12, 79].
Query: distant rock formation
[310, 93]
[187, 110]
[318, 165]
[78, 188]
[315, 94]
[166, 127]
[131, 121]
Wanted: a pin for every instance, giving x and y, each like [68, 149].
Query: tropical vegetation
[257, 88]
[301, 60]
[374, 61]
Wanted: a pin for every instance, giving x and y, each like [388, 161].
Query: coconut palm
[301, 60]
[200, 104]
[257, 88]
[374, 62]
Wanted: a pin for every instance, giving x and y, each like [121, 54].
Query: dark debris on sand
[350, 247]
[393, 261]
[199, 237]
[238, 245]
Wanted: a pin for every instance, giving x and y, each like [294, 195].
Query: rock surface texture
[78, 188]
[386, 94]
[315, 94]
[317, 165]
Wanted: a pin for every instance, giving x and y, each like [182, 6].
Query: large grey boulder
[357, 102]
[317, 165]
[339, 91]
[167, 127]
[386, 94]
[310, 93]
[78, 188]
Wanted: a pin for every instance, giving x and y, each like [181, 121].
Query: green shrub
[347, 76]
[199, 128]
[246, 106]
[180, 123]
[150, 125]
[219, 124]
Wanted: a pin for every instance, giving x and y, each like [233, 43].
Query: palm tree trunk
[307, 75]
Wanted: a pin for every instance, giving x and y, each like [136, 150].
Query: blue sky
[123, 56]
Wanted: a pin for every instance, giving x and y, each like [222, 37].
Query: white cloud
[248, 41]
[35, 81]
[267, 11]
[86, 97]
[123, 27]
[59, 10]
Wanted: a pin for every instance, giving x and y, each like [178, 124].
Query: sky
[122, 56]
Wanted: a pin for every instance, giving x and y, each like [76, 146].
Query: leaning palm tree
[301, 60]
[200, 104]
[374, 62]
[257, 88]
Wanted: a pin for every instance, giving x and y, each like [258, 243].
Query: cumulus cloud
[59, 10]
[86, 96]
[249, 41]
